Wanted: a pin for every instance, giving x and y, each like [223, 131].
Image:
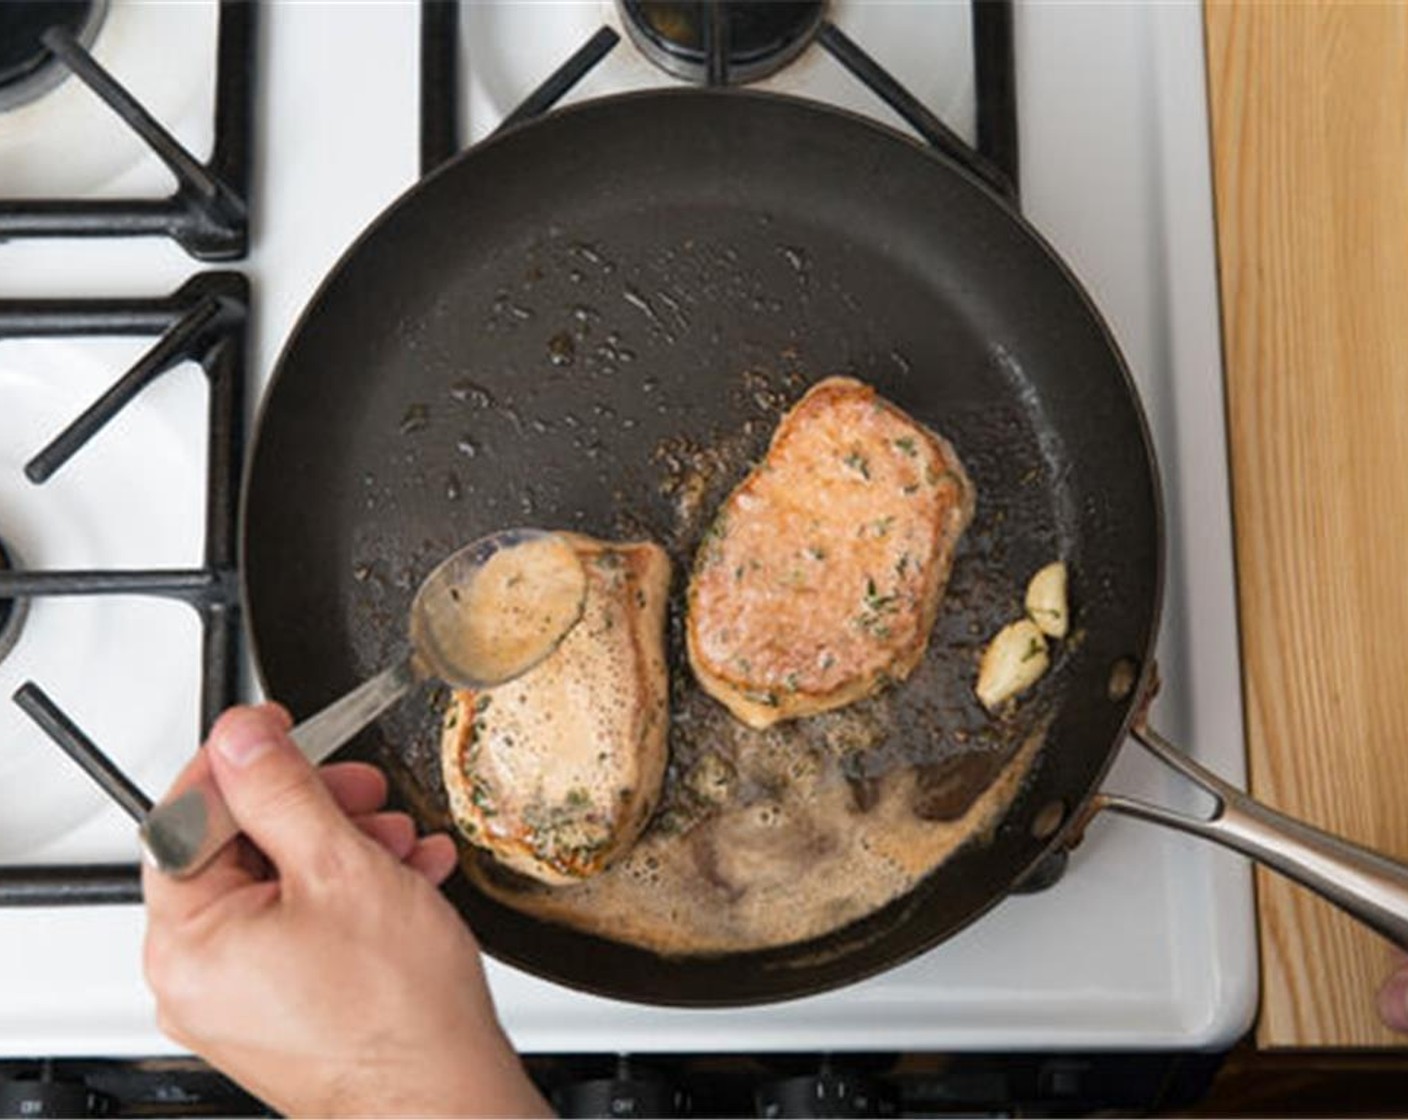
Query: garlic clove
[1046, 600]
[1014, 661]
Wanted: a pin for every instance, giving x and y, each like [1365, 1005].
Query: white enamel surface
[509, 46]
[1148, 939]
[69, 144]
[80, 650]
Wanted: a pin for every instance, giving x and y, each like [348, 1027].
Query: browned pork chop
[820, 579]
[556, 773]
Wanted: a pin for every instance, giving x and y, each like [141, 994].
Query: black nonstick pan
[545, 330]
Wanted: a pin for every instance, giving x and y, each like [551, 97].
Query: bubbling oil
[760, 848]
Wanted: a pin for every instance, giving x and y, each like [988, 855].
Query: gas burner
[12, 611]
[28, 69]
[721, 42]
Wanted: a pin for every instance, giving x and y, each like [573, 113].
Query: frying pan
[529, 334]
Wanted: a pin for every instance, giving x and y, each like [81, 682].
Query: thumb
[272, 791]
[1393, 1000]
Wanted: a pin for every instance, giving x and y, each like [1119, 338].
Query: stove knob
[33, 1099]
[828, 1093]
[637, 1094]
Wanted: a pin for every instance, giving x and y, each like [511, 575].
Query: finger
[434, 856]
[199, 764]
[1393, 1001]
[274, 793]
[395, 832]
[254, 862]
[357, 787]
[176, 900]
[233, 867]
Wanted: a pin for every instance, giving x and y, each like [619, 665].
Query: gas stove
[119, 536]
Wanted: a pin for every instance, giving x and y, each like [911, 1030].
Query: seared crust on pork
[556, 773]
[821, 576]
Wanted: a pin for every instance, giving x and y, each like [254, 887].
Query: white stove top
[1148, 939]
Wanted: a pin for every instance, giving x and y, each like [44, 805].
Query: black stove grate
[208, 213]
[204, 321]
[994, 159]
[28, 68]
[724, 42]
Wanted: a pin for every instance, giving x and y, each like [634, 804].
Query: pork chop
[821, 576]
[556, 773]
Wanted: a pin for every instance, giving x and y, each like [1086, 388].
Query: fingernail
[244, 738]
[1393, 1001]
[278, 713]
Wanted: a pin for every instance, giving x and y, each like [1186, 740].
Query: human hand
[313, 960]
[1393, 995]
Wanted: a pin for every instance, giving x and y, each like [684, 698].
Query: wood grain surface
[1310, 152]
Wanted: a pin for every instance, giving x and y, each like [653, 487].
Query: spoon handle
[322, 733]
[182, 835]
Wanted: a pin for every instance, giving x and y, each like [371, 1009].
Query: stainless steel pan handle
[1358, 880]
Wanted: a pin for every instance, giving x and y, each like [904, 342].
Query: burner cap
[27, 67]
[760, 36]
[12, 611]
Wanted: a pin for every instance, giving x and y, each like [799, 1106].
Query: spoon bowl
[497, 607]
[487, 614]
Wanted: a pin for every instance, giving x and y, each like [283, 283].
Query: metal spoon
[182, 835]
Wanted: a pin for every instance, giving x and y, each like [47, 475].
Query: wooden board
[1310, 152]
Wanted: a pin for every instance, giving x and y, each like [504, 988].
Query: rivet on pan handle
[1358, 880]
